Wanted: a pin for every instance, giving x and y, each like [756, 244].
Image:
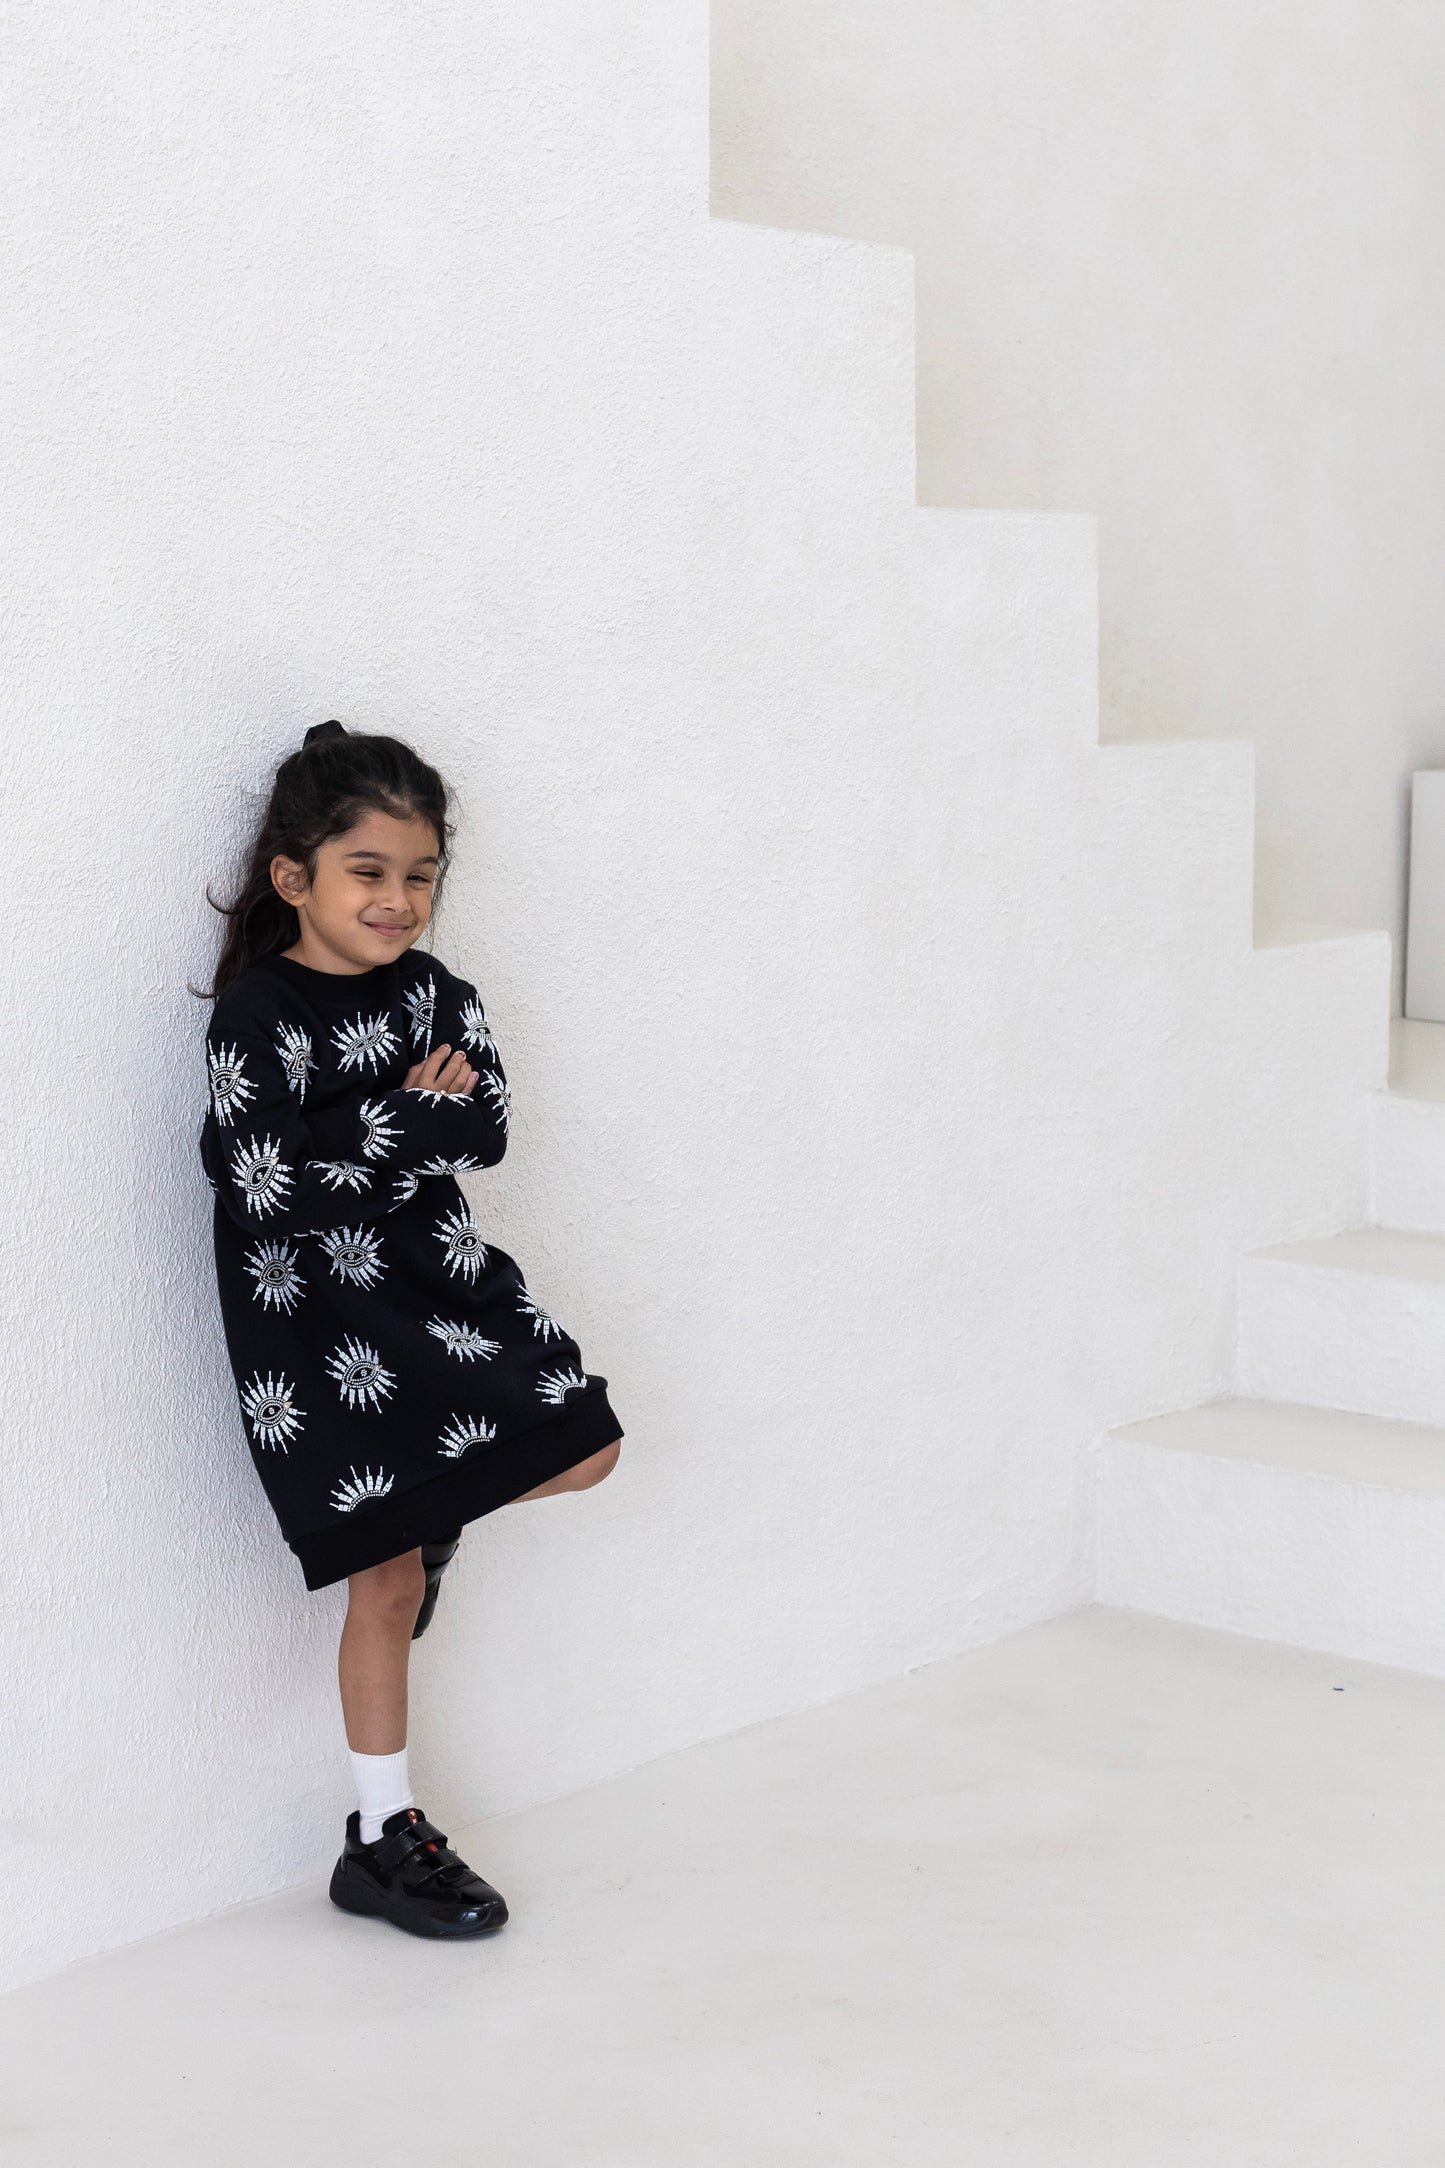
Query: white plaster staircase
[1309, 1507]
[1120, 877]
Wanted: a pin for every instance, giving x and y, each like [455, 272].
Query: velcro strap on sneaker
[392, 1851]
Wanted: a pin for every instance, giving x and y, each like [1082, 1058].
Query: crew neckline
[331, 978]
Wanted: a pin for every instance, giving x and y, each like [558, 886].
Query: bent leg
[581, 1477]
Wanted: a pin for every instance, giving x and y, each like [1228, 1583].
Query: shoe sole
[365, 1906]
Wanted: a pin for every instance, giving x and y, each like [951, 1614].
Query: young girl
[396, 1378]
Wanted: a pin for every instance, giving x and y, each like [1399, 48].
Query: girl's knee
[592, 1470]
[396, 1584]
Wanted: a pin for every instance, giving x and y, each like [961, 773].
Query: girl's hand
[438, 1074]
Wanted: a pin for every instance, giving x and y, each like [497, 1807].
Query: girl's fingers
[443, 1071]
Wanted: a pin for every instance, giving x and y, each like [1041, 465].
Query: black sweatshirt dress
[396, 1378]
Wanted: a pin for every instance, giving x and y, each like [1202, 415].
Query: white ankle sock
[382, 1788]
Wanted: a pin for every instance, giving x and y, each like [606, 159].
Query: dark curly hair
[321, 790]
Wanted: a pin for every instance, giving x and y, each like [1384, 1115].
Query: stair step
[1332, 1442]
[1318, 1527]
[1348, 1321]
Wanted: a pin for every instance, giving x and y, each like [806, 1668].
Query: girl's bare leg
[381, 1608]
[582, 1477]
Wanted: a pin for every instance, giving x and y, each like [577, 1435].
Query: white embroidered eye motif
[273, 1413]
[476, 1031]
[372, 1483]
[496, 1090]
[231, 1088]
[461, 1237]
[379, 1132]
[366, 1041]
[462, 1432]
[342, 1173]
[361, 1376]
[463, 1341]
[554, 1383]
[294, 1047]
[261, 1175]
[421, 1005]
[542, 1324]
[272, 1265]
[355, 1254]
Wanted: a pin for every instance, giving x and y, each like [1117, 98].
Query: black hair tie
[325, 730]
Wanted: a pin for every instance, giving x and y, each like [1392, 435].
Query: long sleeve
[275, 1169]
[281, 1167]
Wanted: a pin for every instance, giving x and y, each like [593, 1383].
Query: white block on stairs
[1417, 1058]
[1407, 1131]
[1407, 1162]
[1353, 1320]
[1305, 1525]
[1425, 915]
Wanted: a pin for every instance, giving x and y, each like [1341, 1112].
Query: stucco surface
[895, 1082]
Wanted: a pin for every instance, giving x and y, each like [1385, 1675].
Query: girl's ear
[288, 878]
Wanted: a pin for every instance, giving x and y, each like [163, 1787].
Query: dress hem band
[465, 1490]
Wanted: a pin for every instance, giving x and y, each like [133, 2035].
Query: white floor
[1112, 1891]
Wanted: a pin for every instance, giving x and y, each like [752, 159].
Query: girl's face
[371, 895]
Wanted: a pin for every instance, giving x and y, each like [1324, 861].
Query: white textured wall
[1180, 266]
[895, 1083]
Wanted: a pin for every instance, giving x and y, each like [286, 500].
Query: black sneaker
[435, 1557]
[412, 1877]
